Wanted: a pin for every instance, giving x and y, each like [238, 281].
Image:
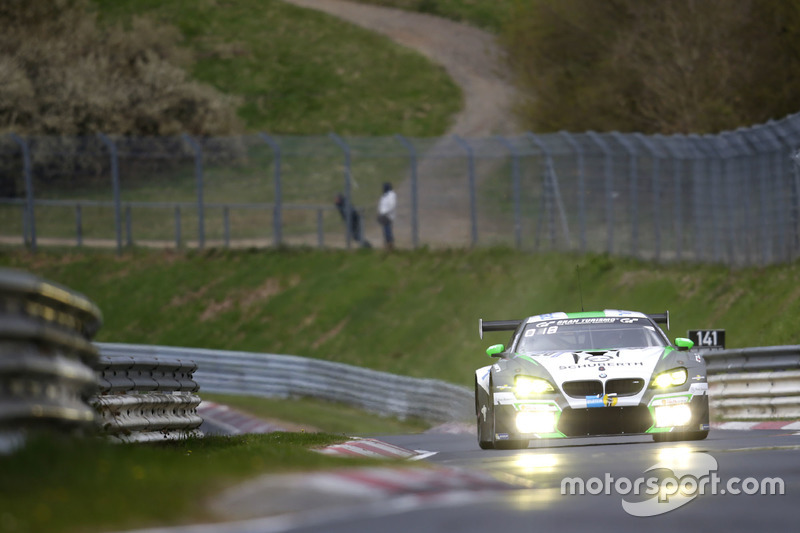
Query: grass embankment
[66, 485]
[412, 313]
[301, 71]
[309, 414]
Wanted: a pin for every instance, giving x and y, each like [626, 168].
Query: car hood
[600, 365]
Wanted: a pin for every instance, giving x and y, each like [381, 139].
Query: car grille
[624, 387]
[581, 389]
[604, 421]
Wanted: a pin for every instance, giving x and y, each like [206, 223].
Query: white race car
[590, 373]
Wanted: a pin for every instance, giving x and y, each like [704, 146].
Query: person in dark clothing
[355, 219]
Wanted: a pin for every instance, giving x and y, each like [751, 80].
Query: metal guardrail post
[45, 353]
[412, 163]
[78, 225]
[581, 186]
[515, 188]
[347, 182]
[177, 227]
[198, 172]
[671, 144]
[473, 208]
[633, 200]
[656, 198]
[112, 148]
[30, 213]
[277, 213]
[552, 179]
[609, 176]
[766, 245]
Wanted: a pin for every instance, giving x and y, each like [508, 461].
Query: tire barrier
[146, 399]
[754, 383]
[46, 356]
[285, 376]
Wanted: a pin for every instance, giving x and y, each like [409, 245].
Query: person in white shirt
[386, 208]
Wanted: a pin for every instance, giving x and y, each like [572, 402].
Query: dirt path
[470, 56]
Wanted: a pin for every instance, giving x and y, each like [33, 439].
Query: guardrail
[284, 376]
[146, 399]
[754, 383]
[51, 376]
[46, 356]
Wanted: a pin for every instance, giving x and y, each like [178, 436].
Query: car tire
[484, 441]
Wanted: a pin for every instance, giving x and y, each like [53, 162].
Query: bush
[60, 73]
[669, 67]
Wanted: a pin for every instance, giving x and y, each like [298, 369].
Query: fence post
[128, 226]
[347, 180]
[30, 215]
[794, 183]
[226, 224]
[473, 211]
[198, 172]
[277, 215]
[656, 199]
[78, 225]
[725, 152]
[550, 175]
[763, 166]
[675, 153]
[633, 200]
[321, 233]
[177, 227]
[608, 170]
[112, 148]
[746, 238]
[581, 187]
[515, 187]
[412, 161]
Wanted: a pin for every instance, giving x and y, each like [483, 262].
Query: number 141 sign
[708, 338]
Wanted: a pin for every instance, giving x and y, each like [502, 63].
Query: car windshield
[589, 334]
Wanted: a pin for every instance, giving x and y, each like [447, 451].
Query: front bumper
[546, 419]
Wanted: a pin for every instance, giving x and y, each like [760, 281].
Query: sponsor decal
[672, 400]
[698, 377]
[604, 401]
[595, 365]
[698, 358]
[501, 436]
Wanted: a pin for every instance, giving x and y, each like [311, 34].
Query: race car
[609, 372]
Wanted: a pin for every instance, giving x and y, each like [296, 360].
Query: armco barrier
[146, 399]
[46, 356]
[283, 376]
[51, 376]
[754, 383]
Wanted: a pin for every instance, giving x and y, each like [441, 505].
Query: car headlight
[528, 386]
[670, 378]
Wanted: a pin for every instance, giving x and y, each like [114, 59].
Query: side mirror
[495, 350]
[684, 344]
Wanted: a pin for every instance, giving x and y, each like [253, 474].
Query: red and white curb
[232, 421]
[789, 425]
[373, 448]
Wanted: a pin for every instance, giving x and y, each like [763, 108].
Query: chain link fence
[729, 198]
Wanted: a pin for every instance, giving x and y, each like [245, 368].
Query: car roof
[586, 314]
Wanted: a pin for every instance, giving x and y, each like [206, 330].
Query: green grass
[325, 416]
[299, 71]
[70, 485]
[412, 313]
[487, 14]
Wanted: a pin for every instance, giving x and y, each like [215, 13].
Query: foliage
[300, 71]
[61, 73]
[670, 67]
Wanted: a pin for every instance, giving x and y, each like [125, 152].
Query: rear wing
[497, 325]
[660, 318]
[511, 325]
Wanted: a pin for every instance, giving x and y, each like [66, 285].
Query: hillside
[413, 313]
